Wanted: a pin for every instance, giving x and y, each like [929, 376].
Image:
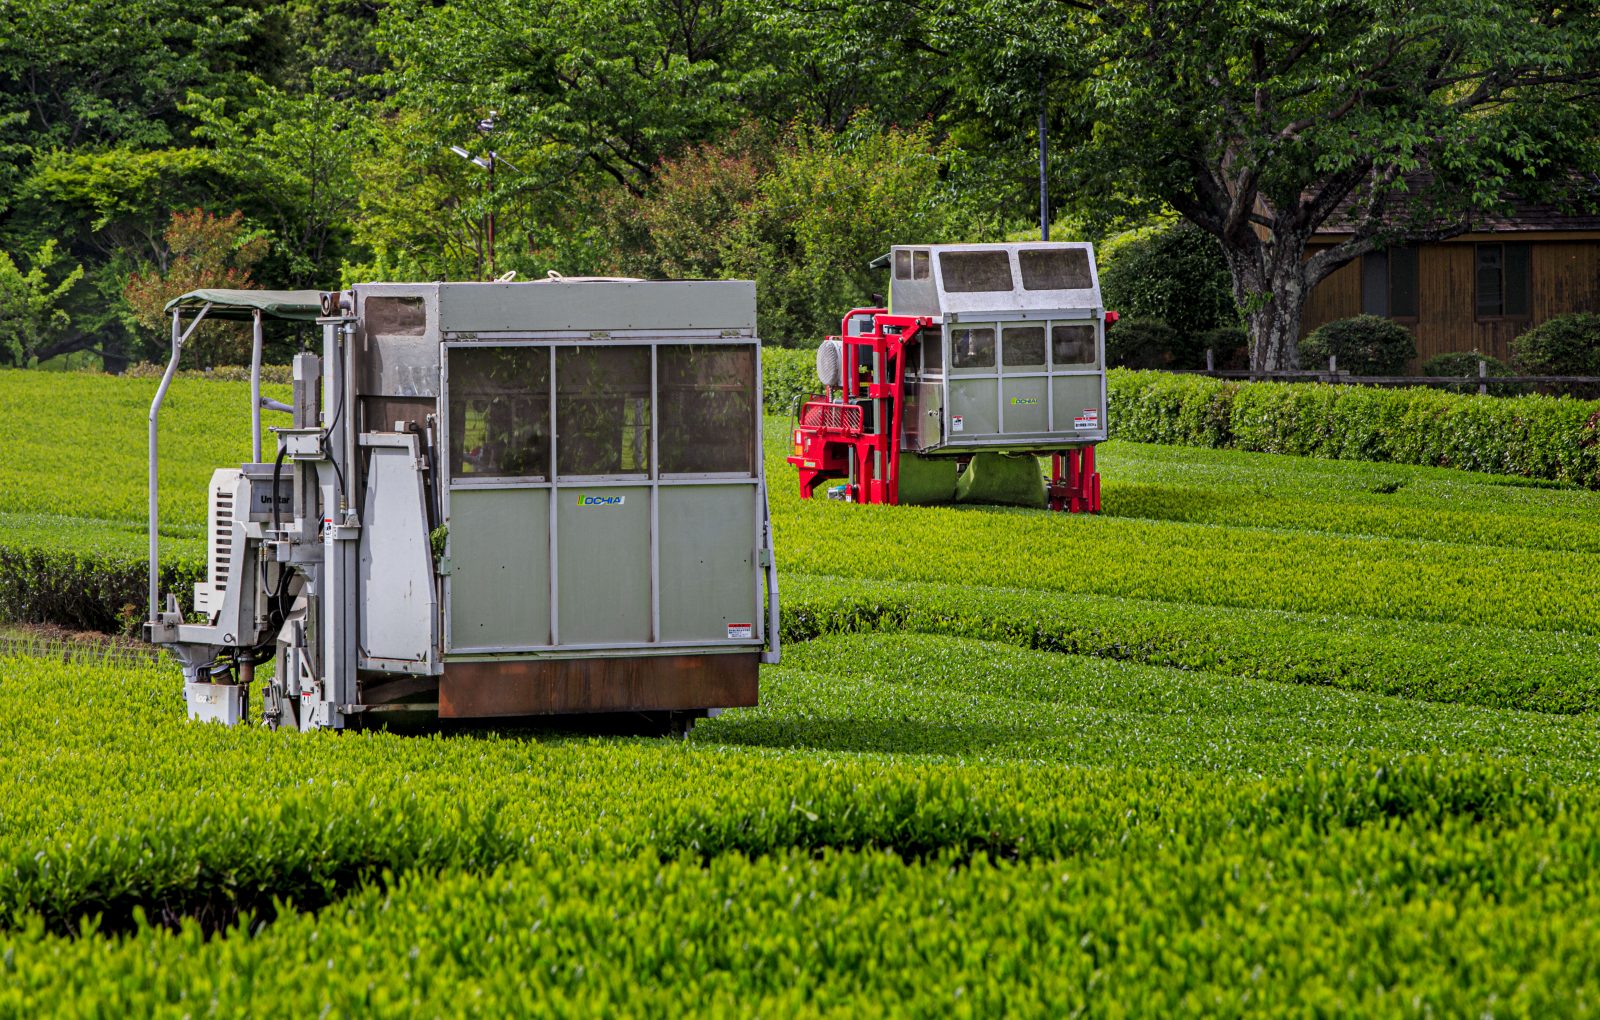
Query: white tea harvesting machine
[494, 499]
[988, 356]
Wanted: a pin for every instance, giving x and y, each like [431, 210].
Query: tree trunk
[1270, 286]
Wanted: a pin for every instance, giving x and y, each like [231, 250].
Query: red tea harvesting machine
[988, 357]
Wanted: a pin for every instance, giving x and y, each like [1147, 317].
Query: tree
[295, 156]
[33, 325]
[1260, 122]
[201, 250]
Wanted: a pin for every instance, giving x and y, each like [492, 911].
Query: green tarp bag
[1004, 478]
[925, 480]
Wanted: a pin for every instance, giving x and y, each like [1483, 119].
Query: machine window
[919, 265]
[1072, 345]
[972, 347]
[396, 316]
[932, 345]
[499, 412]
[966, 272]
[1054, 268]
[707, 409]
[603, 410]
[902, 265]
[1022, 347]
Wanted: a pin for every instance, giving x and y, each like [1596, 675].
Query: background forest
[148, 147]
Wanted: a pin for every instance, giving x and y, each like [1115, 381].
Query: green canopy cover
[300, 305]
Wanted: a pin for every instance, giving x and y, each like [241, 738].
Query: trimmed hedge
[1531, 437]
[85, 590]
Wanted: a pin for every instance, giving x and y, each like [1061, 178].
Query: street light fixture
[486, 127]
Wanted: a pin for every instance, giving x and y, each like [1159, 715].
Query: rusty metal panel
[651, 683]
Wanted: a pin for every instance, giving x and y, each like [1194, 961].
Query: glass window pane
[396, 316]
[1516, 279]
[603, 410]
[1054, 268]
[919, 265]
[967, 271]
[1403, 283]
[1491, 296]
[932, 345]
[902, 265]
[707, 409]
[1072, 345]
[1023, 347]
[1375, 284]
[972, 347]
[499, 412]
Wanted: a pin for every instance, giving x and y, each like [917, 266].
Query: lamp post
[486, 128]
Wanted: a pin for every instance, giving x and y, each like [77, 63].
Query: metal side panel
[708, 576]
[500, 568]
[399, 618]
[1080, 406]
[974, 408]
[590, 306]
[1025, 404]
[603, 572]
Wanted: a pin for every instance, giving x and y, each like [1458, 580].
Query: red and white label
[1088, 421]
[741, 631]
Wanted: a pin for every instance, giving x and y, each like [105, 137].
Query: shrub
[1230, 347]
[1465, 363]
[1363, 345]
[1140, 343]
[1564, 345]
[1534, 436]
[1174, 272]
[787, 375]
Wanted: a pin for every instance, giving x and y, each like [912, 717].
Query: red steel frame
[830, 435]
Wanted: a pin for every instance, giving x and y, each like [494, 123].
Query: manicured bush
[1140, 343]
[1564, 345]
[1174, 272]
[788, 375]
[1229, 346]
[1465, 363]
[1534, 437]
[1363, 345]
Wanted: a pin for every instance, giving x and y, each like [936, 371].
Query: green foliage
[32, 320]
[1465, 364]
[829, 206]
[787, 376]
[295, 154]
[1564, 345]
[1142, 343]
[1532, 437]
[1363, 345]
[1173, 272]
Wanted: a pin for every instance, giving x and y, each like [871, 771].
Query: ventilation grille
[221, 538]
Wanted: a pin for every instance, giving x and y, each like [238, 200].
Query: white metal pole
[154, 484]
[255, 391]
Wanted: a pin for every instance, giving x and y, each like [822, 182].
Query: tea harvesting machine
[987, 357]
[493, 499]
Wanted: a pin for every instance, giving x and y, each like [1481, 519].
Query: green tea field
[1270, 736]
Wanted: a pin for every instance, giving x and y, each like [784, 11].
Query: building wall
[1564, 276]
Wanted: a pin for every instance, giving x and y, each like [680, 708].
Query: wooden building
[1476, 291]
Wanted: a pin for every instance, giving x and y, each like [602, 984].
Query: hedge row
[84, 589]
[1553, 438]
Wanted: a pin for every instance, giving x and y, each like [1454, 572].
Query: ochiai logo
[601, 500]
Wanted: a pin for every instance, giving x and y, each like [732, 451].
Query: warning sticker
[741, 631]
[1088, 421]
[955, 423]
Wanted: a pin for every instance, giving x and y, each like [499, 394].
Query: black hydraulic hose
[277, 476]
